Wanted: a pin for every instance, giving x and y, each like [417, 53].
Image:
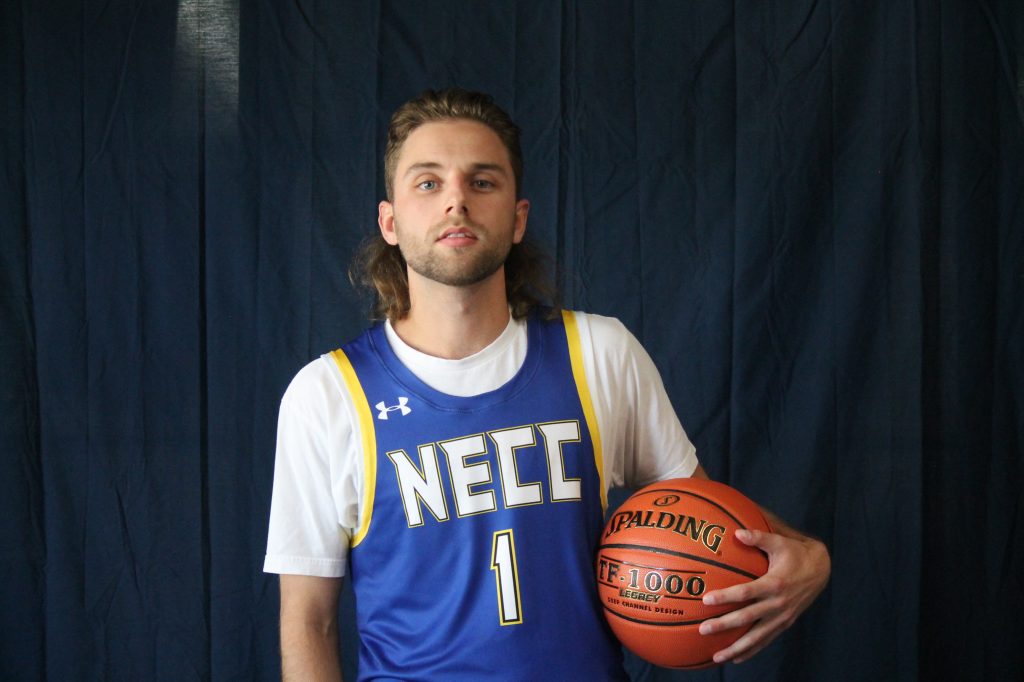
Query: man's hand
[798, 569]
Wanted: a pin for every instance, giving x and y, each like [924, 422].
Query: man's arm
[309, 628]
[798, 570]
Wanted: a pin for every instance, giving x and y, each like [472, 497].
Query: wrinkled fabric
[810, 214]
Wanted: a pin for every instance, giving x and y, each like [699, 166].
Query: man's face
[454, 213]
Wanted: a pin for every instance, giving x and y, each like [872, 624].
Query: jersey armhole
[579, 374]
[368, 439]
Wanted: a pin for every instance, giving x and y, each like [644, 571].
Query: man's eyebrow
[494, 167]
[433, 165]
[421, 166]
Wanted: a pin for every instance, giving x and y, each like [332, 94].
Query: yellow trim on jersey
[369, 438]
[572, 333]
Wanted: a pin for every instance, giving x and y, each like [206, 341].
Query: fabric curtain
[809, 212]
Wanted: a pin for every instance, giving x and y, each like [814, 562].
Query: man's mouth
[456, 233]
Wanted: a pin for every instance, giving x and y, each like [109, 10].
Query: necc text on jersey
[421, 486]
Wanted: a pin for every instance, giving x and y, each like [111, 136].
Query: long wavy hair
[380, 267]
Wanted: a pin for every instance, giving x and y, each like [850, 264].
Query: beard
[457, 267]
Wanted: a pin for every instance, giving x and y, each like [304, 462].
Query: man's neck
[454, 322]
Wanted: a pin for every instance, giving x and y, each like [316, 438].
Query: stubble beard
[457, 269]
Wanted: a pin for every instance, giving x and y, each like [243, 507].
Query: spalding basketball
[666, 547]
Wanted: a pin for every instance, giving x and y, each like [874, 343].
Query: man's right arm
[309, 629]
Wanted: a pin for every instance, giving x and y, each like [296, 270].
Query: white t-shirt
[318, 475]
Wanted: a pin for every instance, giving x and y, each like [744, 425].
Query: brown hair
[446, 105]
[380, 266]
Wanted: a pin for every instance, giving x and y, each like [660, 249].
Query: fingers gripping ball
[666, 547]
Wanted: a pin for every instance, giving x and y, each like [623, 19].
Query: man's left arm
[798, 570]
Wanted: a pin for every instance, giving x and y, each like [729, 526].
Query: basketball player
[454, 460]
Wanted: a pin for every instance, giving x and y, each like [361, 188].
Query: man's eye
[483, 184]
[428, 184]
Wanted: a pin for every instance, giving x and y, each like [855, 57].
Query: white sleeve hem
[301, 565]
[685, 469]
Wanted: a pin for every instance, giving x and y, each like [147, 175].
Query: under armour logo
[384, 409]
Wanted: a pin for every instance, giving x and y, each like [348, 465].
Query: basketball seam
[720, 506]
[684, 555]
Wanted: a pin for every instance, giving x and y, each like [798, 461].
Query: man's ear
[386, 221]
[522, 211]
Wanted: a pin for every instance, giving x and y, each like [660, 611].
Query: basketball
[667, 546]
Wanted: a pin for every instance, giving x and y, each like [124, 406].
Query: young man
[457, 457]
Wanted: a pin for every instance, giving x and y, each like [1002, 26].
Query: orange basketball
[666, 547]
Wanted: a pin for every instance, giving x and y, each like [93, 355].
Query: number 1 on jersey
[506, 575]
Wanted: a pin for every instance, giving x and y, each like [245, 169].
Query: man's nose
[455, 203]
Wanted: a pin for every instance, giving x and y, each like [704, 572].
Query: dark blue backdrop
[810, 212]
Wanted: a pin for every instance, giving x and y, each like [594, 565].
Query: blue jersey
[476, 559]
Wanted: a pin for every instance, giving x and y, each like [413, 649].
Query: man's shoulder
[602, 331]
[313, 383]
[320, 378]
